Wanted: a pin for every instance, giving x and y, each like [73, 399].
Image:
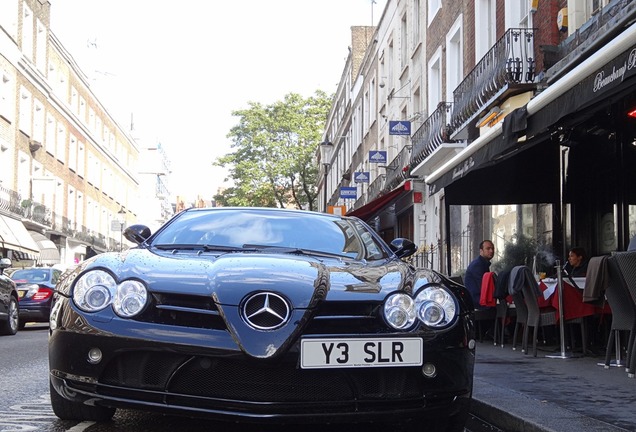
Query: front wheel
[69, 410]
[10, 326]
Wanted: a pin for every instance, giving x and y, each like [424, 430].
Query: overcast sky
[179, 68]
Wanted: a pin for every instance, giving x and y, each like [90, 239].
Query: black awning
[374, 207]
[530, 174]
[601, 86]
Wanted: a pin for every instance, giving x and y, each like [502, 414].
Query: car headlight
[97, 289]
[434, 306]
[399, 311]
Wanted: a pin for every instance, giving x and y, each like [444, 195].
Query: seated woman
[577, 263]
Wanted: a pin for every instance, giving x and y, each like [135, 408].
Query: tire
[10, 326]
[68, 410]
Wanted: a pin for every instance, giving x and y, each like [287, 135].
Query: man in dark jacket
[477, 268]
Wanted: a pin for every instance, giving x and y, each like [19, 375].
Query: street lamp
[326, 148]
[121, 218]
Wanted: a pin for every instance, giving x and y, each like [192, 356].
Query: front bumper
[214, 378]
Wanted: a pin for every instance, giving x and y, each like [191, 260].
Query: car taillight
[43, 294]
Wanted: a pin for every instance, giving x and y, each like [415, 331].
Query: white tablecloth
[551, 284]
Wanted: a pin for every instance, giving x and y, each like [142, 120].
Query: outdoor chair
[626, 262]
[537, 317]
[623, 313]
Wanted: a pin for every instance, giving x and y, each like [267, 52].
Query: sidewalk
[519, 392]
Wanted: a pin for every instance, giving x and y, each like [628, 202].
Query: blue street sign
[399, 127]
[377, 156]
[348, 192]
[361, 177]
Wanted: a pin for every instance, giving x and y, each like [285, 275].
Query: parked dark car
[35, 288]
[9, 307]
[254, 315]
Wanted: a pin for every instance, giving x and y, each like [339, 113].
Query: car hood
[229, 277]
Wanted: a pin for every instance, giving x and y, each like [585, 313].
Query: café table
[573, 305]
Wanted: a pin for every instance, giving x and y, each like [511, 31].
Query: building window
[435, 80]
[454, 58]
[40, 46]
[404, 43]
[25, 111]
[434, 6]
[27, 32]
[485, 16]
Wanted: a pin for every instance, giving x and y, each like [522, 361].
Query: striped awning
[14, 236]
[49, 254]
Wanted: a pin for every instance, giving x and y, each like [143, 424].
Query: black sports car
[255, 315]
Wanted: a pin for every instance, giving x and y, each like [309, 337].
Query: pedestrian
[577, 263]
[476, 270]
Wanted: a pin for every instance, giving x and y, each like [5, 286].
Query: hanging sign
[361, 177]
[348, 192]
[377, 156]
[399, 127]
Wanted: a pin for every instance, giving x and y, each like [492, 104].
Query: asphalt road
[25, 405]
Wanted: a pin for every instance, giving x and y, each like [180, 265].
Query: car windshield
[270, 230]
[31, 275]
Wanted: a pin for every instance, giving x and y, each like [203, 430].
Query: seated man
[476, 269]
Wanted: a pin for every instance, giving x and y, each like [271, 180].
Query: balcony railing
[398, 169]
[434, 131]
[510, 62]
[376, 187]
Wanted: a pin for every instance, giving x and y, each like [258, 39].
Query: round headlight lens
[93, 291]
[130, 298]
[436, 306]
[399, 311]
[430, 313]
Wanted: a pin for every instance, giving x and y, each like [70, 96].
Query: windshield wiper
[196, 246]
[293, 250]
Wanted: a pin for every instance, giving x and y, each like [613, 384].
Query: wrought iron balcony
[434, 131]
[375, 188]
[398, 169]
[508, 68]
[12, 202]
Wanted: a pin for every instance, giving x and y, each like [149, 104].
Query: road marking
[32, 415]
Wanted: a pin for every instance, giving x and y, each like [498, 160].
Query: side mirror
[137, 233]
[4, 264]
[403, 248]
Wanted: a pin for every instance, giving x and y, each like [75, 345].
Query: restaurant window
[632, 221]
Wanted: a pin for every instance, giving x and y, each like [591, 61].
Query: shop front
[564, 163]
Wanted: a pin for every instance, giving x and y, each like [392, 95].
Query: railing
[375, 188]
[510, 61]
[398, 169]
[434, 131]
[425, 257]
[10, 201]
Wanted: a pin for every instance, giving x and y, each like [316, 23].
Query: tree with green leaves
[273, 159]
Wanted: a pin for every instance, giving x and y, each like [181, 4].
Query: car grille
[201, 312]
[205, 378]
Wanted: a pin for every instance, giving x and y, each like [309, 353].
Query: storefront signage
[615, 72]
[348, 192]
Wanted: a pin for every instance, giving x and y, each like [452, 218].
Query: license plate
[363, 352]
